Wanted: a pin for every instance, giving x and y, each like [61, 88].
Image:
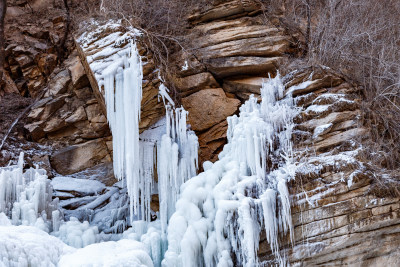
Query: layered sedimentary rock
[336, 215]
[337, 218]
[233, 49]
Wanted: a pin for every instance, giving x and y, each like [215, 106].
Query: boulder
[59, 84]
[230, 66]
[209, 107]
[194, 83]
[77, 187]
[76, 158]
[78, 75]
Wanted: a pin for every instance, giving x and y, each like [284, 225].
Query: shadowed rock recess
[337, 219]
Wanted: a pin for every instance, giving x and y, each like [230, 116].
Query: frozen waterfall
[123, 95]
[212, 219]
[224, 209]
[135, 159]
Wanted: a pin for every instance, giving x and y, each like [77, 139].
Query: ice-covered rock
[77, 187]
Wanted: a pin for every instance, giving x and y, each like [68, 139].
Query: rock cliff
[338, 217]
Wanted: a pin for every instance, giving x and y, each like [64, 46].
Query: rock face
[69, 118]
[208, 107]
[233, 49]
[76, 158]
[337, 218]
[31, 51]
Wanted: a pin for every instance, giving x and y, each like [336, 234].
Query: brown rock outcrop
[208, 107]
[76, 158]
[31, 51]
[337, 218]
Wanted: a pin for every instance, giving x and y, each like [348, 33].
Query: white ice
[123, 253]
[29, 246]
[224, 209]
[82, 186]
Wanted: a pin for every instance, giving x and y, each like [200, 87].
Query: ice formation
[26, 196]
[175, 155]
[123, 96]
[123, 253]
[29, 246]
[223, 209]
[176, 161]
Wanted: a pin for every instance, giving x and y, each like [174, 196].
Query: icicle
[123, 101]
[134, 160]
[177, 161]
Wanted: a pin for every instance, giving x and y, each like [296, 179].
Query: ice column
[177, 161]
[123, 96]
[175, 155]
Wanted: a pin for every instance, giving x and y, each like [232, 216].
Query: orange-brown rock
[79, 157]
[212, 141]
[209, 107]
[191, 84]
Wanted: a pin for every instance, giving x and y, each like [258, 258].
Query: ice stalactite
[135, 158]
[177, 161]
[123, 96]
[172, 149]
[222, 211]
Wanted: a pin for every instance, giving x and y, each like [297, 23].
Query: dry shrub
[163, 22]
[361, 39]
